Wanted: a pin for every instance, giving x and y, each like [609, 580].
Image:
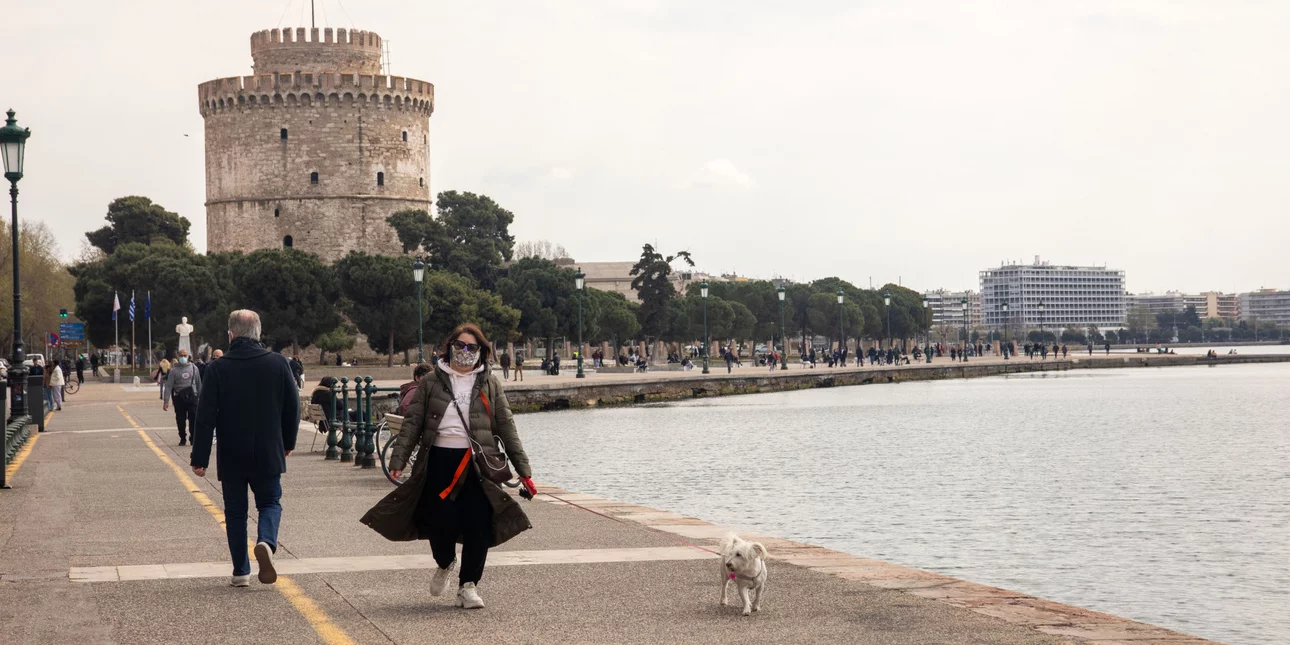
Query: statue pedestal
[116, 375]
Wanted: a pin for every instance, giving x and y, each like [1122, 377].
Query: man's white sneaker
[241, 581]
[439, 581]
[468, 597]
[264, 556]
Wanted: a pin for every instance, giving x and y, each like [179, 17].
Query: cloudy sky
[919, 141]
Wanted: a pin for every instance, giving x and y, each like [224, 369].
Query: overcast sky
[910, 140]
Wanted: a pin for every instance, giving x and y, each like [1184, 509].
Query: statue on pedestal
[185, 330]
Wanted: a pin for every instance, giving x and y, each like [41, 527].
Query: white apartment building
[947, 307]
[1266, 304]
[1072, 296]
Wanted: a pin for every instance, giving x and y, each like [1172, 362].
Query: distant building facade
[1266, 305]
[947, 308]
[1072, 296]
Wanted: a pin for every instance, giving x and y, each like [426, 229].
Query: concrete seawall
[536, 396]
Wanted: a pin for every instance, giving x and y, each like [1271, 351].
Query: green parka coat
[394, 517]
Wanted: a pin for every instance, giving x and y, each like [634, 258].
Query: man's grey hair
[244, 323]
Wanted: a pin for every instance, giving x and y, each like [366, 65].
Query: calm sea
[1161, 495]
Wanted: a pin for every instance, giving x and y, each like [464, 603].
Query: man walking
[80, 368]
[249, 400]
[298, 371]
[183, 385]
[505, 361]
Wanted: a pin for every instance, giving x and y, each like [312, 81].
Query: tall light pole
[13, 144]
[419, 274]
[966, 338]
[927, 304]
[1041, 322]
[579, 280]
[842, 327]
[1006, 331]
[703, 291]
[783, 331]
[886, 302]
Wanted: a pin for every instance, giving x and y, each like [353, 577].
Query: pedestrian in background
[159, 376]
[505, 362]
[54, 391]
[298, 371]
[249, 400]
[183, 386]
[80, 369]
[519, 366]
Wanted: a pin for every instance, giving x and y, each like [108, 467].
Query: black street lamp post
[1041, 323]
[1007, 330]
[842, 328]
[703, 291]
[783, 331]
[579, 280]
[966, 338]
[13, 144]
[419, 274]
[886, 302]
[927, 304]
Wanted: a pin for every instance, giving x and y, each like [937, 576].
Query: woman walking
[454, 422]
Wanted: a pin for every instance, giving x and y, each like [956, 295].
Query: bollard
[332, 453]
[36, 399]
[369, 443]
[360, 429]
[347, 435]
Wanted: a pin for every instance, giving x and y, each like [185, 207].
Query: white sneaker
[241, 581]
[439, 581]
[264, 556]
[468, 597]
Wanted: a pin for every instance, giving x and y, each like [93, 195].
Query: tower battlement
[305, 89]
[316, 50]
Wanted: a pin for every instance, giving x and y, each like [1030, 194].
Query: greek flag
[131, 306]
[116, 305]
[147, 307]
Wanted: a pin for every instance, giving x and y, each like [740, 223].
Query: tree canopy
[653, 286]
[293, 291]
[138, 219]
[381, 299]
[470, 237]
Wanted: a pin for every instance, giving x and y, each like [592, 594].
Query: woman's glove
[527, 489]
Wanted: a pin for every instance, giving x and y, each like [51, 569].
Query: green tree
[46, 284]
[545, 296]
[381, 300]
[470, 237]
[653, 286]
[616, 318]
[452, 299]
[1189, 317]
[137, 219]
[293, 291]
[340, 339]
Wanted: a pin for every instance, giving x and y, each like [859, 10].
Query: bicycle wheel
[387, 451]
[72, 387]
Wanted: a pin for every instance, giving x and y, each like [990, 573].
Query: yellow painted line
[12, 468]
[330, 633]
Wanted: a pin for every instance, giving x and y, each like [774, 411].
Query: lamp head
[780, 292]
[703, 288]
[13, 144]
[418, 270]
[840, 295]
[579, 279]
[886, 298]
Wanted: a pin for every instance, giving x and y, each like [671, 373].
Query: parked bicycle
[73, 386]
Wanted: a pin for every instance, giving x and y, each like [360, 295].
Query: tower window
[313, 178]
[275, 212]
[286, 242]
[405, 136]
[380, 179]
[421, 181]
[283, 134]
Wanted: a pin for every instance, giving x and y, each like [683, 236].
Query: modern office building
[1266, 304]
[1053, 296]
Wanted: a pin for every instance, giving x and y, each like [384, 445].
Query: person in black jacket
[250, 401]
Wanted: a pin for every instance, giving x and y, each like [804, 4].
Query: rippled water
[1161, 495]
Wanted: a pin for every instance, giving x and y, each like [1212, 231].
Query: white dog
[744, 565]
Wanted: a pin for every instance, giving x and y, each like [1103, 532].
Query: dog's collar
[761, 566]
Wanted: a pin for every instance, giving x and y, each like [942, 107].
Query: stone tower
[316, 148]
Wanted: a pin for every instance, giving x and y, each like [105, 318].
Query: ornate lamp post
[419, 274]
[703, 291]
[783, 331]
[13, 144]
[963, 351]
[1041, 322]
[842, 331]
[579, 280]
[886, 302]
[1007, 333]
[927, 304]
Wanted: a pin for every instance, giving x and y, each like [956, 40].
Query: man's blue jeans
[268, 496]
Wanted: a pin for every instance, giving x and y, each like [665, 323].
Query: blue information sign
[71, 331]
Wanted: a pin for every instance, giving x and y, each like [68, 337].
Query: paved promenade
[108, 537]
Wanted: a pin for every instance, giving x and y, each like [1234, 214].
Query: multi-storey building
[1047, 295]
[1169, 302]
[947, 307]
[1266, 305]
[1220, 305]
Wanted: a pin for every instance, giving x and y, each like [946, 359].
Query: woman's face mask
[464, 354]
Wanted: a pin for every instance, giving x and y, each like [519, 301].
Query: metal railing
[16, 434]
[354, 440]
